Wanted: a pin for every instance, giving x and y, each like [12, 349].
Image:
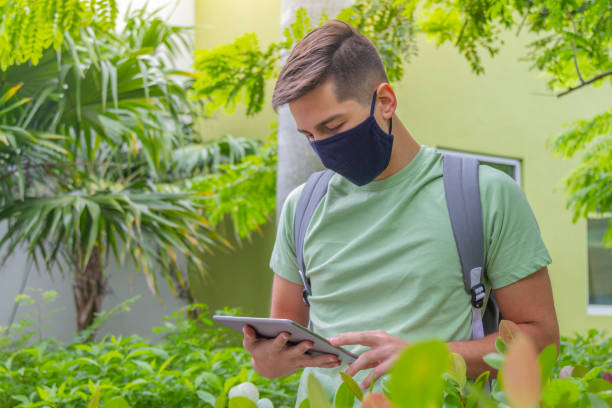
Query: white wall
[147, 311]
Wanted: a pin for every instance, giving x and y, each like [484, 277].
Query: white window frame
[518, 176]
[594, 310]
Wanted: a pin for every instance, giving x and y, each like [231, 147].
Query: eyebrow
[323, 122]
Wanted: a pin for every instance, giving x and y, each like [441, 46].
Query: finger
[366, 360]
[250, 338]
[369, 338]
[326, 360]
[301, 348]
[280, 341]
[376, 373]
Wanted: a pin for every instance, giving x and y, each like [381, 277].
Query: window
[511, 167]
[599, 266]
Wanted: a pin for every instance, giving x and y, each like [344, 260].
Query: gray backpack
[462, 192]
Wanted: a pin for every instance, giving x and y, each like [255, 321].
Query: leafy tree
[572, 48]
[29, 27]
[96, 140]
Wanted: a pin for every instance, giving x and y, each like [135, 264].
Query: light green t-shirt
[383, 256]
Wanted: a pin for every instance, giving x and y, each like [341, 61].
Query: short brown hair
[336, 51]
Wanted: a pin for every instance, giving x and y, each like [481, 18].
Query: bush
[193, 365]
[196, 364]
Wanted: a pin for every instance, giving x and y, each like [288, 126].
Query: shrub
[193, 364]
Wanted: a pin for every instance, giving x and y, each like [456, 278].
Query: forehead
[319, 104]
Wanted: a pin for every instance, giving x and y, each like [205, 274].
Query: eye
[336, 127]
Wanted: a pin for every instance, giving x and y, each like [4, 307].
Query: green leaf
[241, 402]
[221, 401]
[547, 360]
[95, 400]
[500, 345]
[316, 393]
[596, 401]
[305, 403]
[458, 369]
[579, 371]
[372, 381]
[495, 360]
[561, 392]
[117, 402]
[598, 384]
[416, 379]
[206, 397]
[352, 385]
[344, 397]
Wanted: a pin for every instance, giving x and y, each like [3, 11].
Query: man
[379, 250]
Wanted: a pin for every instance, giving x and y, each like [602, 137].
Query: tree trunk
[296, 159]
[89, 288]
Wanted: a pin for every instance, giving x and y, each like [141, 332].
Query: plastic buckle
[305, 297]
[478, 295]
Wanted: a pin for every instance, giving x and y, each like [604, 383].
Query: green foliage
[245, 191]
[416, 378]
[237, 72]
[390, 25]
[428, 375]
[29, 27]
[471, 26]
[574, 37]
[95, 144]
[193, 364]
[589, 185]
[591, 350]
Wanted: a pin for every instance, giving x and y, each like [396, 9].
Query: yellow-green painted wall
[507, 112]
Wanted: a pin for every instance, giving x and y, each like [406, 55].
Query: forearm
[473, 351]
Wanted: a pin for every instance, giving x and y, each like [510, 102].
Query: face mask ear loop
[372, 105]
[372, 112]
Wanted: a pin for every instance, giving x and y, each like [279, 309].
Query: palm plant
[95, 141]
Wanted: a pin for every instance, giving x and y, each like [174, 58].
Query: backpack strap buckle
[478, 295]
[305, 297]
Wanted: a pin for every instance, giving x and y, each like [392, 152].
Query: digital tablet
[270, 328]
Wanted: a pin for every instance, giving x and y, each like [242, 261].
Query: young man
[379, 250]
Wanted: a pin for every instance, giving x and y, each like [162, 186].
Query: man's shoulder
[493, 181]
[290, 204]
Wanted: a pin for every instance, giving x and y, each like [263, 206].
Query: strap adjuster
[478, 295]
[305, 297]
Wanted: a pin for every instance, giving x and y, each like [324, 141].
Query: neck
[403, 151]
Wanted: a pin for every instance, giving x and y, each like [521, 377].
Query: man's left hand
[385, 349]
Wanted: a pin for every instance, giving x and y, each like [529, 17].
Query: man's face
[319, 115]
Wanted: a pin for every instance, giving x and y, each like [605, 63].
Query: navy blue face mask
[361, 153]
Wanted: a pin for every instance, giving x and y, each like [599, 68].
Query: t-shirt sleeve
[283, 260]
[515, 248]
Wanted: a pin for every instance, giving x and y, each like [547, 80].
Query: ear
[386, 101]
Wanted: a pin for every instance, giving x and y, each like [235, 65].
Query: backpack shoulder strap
[312, 193]
[462, 192]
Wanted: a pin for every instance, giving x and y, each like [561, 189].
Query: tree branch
[574, 48]
[585, 83]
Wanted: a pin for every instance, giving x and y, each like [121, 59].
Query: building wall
[507, 112]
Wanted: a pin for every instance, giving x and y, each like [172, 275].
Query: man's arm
[275, 358]
[287, 301]
[528, 303]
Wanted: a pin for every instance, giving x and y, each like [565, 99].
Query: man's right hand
[275, 358]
